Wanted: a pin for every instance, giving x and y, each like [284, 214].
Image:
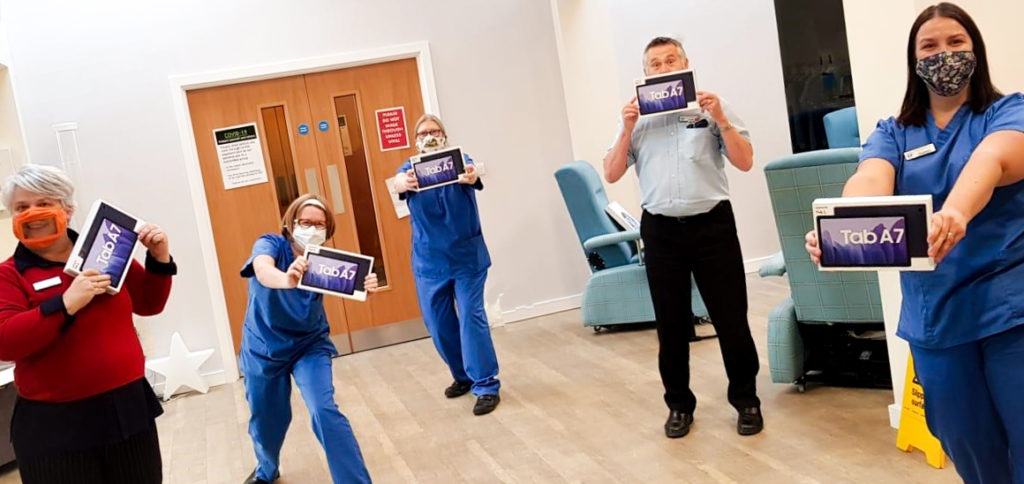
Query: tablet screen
[863, 242]
[333, 274]
[111, 250]
[437, 171]
[672, 93]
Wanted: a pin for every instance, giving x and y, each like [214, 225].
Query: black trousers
[706, 246]
[135, 460]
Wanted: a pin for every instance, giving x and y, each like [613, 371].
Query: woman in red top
[85, 412]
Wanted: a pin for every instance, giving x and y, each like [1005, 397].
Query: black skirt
[45, 429]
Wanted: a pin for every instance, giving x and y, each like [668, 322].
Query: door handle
[334, 183]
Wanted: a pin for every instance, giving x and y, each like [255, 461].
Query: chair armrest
[611, 239]
[776, 266]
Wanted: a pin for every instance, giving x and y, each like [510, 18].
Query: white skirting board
[542, 308]
[751, 266]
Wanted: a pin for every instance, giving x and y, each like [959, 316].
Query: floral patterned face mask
[947, 73]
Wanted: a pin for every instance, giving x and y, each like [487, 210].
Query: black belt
[718, 209]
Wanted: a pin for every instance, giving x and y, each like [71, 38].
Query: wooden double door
[317, 133]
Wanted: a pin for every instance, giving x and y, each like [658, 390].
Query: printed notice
[391, 129]
[240, 156]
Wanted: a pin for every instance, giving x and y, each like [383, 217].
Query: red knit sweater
[61, 358]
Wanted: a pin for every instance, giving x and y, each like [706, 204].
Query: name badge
[46, 283]
[919, 152]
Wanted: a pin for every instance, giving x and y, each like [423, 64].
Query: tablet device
[438, 168]
[622, 217]
[336, 272]
[106, 243]
[874, 233]
[675, 92]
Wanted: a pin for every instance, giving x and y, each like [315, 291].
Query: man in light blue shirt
[688, 227]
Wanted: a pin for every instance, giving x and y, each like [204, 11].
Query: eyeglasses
[309, 223]
[433, 132]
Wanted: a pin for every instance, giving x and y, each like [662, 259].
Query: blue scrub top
[978, 289]
[446, 236]
[280, 324]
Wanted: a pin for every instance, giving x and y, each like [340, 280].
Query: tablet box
[874, 233]
[336, 272]
[106, 243]
[438, 168]
[675, 92]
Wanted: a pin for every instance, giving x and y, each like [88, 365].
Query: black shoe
[678, 424]
[750, 421]
[486, 404]
[252, 479]
[457, 389]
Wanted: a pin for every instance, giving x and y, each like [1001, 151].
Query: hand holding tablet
[470, 177]
[948, 227]
[154, 239]
[86, 286]
[296, 270]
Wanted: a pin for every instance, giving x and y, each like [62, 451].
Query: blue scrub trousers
[269, 400]
[974, 404]
[462, 338]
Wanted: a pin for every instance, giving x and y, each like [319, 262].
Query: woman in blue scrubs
[961, 141]
[286, 336]
[449, 264]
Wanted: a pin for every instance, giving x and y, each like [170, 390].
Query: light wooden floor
[576, 407]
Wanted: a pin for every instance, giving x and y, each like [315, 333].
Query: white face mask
[307, 236]
[429, 143]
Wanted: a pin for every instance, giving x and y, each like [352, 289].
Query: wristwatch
[725, 127]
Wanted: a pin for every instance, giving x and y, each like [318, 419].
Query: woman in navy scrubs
[286, 336]
[961, 141]
[449, 264]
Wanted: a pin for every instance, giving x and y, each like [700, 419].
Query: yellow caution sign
[913, 432]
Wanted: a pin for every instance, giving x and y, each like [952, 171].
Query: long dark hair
[982, 93]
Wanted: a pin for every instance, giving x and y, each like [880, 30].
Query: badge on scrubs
[336, 272]
[874, 233]
[919, 152]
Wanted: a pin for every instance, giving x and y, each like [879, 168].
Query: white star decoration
[180, 368]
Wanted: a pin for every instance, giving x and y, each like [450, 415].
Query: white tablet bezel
[81, 251]
[415, 160]
[692, 107]
[825, 207]
[316, 250]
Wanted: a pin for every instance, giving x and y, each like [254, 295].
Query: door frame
[181, 84]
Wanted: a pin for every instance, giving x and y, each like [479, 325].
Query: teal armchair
[617, 291]
[841, 129]
[817, 298]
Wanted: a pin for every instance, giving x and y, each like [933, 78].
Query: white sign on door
[240, 156]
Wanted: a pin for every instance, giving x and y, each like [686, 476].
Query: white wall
[877, 46]
[590, 81]
[734, 49]
[106, 67]
[10, 124]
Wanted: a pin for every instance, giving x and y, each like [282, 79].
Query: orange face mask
[35, 214]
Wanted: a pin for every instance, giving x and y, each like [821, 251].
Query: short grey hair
[660, 41]
[45, 180]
